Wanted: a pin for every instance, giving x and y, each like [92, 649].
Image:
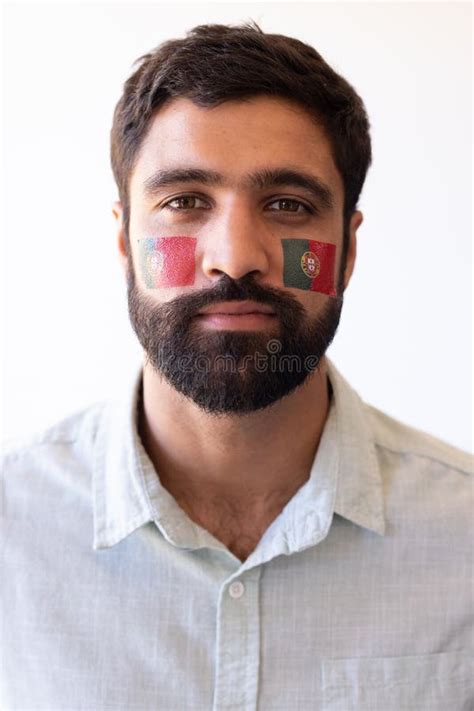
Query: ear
[117, 211]
[354, 224]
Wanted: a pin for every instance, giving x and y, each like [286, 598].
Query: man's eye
[289, 205]
[185, 202]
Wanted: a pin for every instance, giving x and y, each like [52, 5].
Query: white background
[405, 338]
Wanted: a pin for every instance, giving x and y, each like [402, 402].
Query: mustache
[228, 289]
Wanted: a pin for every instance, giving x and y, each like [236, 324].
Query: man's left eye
[288, 205]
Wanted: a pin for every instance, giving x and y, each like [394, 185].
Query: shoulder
[410, 444]
[427, 484]
[69, 439]
[47, 483]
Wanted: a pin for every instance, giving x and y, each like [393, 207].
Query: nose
[235, 244]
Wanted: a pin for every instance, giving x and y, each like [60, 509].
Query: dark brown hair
[218, 63]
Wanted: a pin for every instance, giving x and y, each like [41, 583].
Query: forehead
[234, 139]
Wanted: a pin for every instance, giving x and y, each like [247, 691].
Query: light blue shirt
[358, 597]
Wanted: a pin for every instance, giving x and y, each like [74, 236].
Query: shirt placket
[238, 642]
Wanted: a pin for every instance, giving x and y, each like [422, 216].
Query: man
[239, 530]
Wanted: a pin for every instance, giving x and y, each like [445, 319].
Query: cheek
[309, 265]
[167, 261]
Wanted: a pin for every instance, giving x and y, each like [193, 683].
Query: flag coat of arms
[167, 261]
[309, 265]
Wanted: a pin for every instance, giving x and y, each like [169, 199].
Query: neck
[253, 463]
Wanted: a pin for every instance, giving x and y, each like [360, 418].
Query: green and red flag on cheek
[309, 265]
[167, 261]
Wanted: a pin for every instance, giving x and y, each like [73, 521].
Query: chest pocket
[429, 682]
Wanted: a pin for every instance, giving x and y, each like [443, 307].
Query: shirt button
[236, 589]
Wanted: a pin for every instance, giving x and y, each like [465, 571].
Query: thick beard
[232, 372]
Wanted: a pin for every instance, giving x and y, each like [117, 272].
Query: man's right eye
[185, 202]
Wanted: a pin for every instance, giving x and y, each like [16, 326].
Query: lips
[234, 308]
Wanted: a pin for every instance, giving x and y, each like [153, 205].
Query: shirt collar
[120, 495]
[359, 492]
[344, 479]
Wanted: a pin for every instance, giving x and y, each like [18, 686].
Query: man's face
[232, 182]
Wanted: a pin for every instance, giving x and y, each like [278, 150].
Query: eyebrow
[261, 179]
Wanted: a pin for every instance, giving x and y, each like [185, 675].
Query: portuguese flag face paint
[309, 265]
[167, 261]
